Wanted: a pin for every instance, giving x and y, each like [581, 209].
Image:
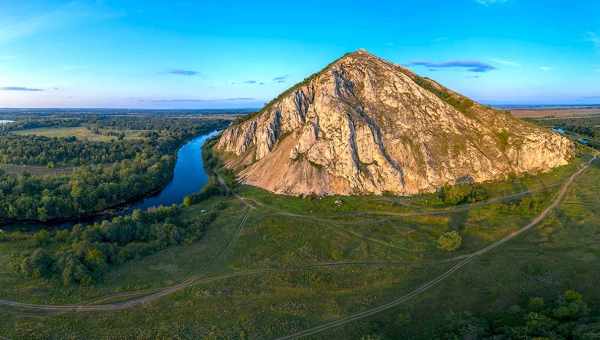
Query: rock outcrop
[366, 126]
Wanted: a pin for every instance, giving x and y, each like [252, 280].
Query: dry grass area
[82, 133]
[556, 113]
[35, 170]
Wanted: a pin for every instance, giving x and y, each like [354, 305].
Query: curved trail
[156, 295]
[159, 293]
[441, 211]
[446, 274]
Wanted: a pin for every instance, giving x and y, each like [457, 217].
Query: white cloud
[490, 2]
[545, 68]
[506, 62]
[593, 38]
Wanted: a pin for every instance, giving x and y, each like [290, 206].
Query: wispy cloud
[180, 72]
[490, 2]
[72, 13]
[546, 68]
[506, 62]
[471, 66]
[281, 79]
[250, 81]
[20, 88]
[593, 38]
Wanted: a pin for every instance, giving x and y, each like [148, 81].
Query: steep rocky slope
[366, 126]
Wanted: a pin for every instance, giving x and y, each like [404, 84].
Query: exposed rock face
[366, 126]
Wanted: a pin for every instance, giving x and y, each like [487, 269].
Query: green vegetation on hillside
[460, 103]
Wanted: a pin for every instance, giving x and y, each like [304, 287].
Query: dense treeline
[160, 136]
[567, 316]
[38, 150]
[120, 170]
[34, 123]
[586, 127]
[84, 254]
[86, 190]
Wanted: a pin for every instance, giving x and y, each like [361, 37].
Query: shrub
[187, 201]
[449, 241]
[39, 265]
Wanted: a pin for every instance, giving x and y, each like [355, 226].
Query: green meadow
[271, 265]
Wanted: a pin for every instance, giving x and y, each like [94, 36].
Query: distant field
[34, 170]
[80, 133]
[555, 113]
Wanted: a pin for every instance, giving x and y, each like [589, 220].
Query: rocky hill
[366, 126]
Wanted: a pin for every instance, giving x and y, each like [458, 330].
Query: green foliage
[141, 166]
[463, 326]
[535, 304]
[566, 318]
[83, 255]
[503, 139]
[161, 136]
[460, 103]
[462, 194]
[449, 241]
[87, 190]
[187, 201]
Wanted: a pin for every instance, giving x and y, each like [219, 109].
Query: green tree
[38, 265]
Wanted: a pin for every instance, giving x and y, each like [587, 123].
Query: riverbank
[187, 175]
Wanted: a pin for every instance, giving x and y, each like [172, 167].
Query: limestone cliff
[366, 126]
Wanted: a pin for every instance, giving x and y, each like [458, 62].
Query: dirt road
[158, 294]
[446, 274]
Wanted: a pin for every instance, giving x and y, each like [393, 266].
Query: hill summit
[364, 125]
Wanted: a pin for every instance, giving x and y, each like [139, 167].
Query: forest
[83, 254]
[107, 174]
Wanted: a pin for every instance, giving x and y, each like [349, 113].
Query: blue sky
[229, 53]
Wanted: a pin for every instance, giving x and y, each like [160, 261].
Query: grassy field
[35, 170]
[296, 263]
[80, 133]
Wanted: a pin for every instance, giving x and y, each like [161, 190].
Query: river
[189, 176]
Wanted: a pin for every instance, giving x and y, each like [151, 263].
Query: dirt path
[158, 294]
[442, 211]
[446, 274]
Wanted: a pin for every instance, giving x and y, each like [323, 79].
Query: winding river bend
[189, 175]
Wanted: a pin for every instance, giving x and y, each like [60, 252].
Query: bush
[449, 241]
[85, 253]
[187, 201]
[39, 265]
[462, 193]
